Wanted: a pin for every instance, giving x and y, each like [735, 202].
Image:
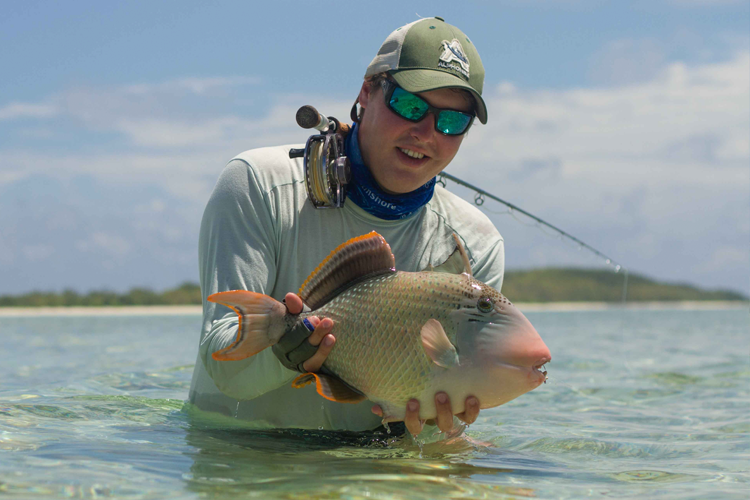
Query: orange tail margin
[255, 313]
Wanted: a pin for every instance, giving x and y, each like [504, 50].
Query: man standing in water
[260, 232]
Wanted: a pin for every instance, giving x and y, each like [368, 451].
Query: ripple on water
[134, 382]
[674, 378]
[49, 411]
[626, 396]
[742, 427]
[653, 476]
[363, 486]
[588, 447]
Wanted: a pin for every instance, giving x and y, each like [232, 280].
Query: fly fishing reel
[327, 169]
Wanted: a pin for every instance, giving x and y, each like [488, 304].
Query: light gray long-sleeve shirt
[261, 233]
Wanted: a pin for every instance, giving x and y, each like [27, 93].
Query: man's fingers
[322, 328]
[471, 411]
[316, 361]
[293, 303]
[322, 337]
[444, 412]
[412, 421]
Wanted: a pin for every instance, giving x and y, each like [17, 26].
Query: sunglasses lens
[453, 122]
[414, 108]
[408, 105]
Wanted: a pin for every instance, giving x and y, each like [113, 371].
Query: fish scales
[377, 326]
[400, 335]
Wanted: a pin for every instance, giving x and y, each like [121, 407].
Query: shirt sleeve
[237, 251]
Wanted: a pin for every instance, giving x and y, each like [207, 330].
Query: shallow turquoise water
[640, 404]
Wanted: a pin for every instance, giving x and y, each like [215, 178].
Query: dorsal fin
[357, 259]
[456, 263]
[464, 257]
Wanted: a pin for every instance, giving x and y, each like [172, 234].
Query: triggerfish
[401, 335]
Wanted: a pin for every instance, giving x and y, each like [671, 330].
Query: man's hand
[444, 413]
[321, 337]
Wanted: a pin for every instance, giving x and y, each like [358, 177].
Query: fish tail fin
[259, 325]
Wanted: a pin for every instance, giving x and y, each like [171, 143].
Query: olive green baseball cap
[431, 54]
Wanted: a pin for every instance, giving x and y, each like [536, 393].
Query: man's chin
[404, 187]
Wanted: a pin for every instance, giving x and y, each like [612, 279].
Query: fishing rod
[479, 201]
[328, 171]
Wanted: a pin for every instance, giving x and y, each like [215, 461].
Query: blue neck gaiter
[367, 194]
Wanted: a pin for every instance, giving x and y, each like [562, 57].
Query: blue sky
[625, 123]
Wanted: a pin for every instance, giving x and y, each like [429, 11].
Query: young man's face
[385, 140]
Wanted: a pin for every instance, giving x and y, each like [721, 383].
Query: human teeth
[411, 153]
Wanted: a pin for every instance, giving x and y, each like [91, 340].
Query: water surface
[639, 404]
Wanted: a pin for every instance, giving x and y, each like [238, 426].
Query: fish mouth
[540, 370]
[536, 374]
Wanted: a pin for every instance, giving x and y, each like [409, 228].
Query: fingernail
[442, 398]
[328, 341]
[473, 402]
[412, 405]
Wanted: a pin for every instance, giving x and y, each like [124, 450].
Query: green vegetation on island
[600, 285]
[536, 285]
[185, 294]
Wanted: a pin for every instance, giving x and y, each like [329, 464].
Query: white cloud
[627, 61]
[112, 245]
[16, 110]
[726, 256]
[173, 133]
[192, 84]
[677, 121]
[34, 253]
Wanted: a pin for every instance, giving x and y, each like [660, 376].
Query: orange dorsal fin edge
[357, 259]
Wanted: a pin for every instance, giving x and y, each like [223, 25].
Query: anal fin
[330, 387]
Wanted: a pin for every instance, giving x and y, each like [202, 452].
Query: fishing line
[543, 225]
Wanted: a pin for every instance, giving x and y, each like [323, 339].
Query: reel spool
[327, 169]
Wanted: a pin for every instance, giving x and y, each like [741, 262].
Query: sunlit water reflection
[640, 404]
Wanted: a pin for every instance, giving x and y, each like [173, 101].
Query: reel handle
[308, 117]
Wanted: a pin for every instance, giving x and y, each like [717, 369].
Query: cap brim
[424, 80]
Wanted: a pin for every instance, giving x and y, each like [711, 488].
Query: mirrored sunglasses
[413, 108]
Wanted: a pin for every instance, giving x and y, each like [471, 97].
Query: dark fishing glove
[294, 348]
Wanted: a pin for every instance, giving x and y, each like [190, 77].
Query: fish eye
[485, 304]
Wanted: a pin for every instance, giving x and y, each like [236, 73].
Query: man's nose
[425, 128]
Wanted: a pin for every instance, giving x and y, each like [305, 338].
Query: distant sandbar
[101, 311]
[523, 306]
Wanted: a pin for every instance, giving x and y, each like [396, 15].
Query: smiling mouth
[412, 154]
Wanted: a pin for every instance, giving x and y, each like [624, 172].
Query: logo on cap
[454, 53]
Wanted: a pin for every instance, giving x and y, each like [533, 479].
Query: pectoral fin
[437, 346]
[330, 387]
